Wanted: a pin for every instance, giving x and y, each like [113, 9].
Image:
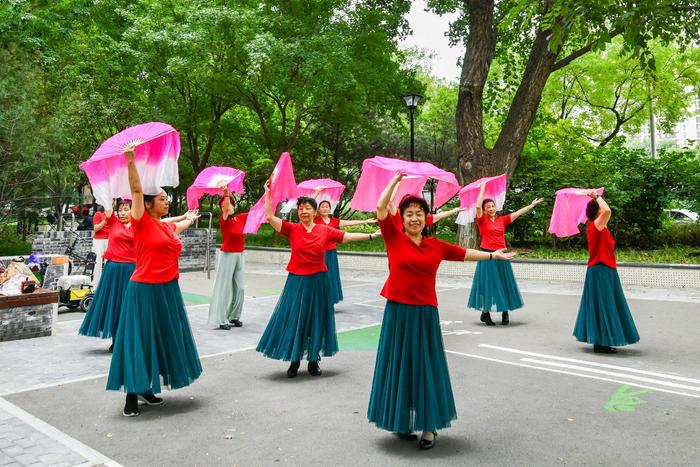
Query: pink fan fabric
[378, 171]
[331, 192]
[155, 157]
[284, 186]
[570, 210]
[211, 180]
[495, 190]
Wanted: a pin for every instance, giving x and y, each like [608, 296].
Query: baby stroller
[75, 290]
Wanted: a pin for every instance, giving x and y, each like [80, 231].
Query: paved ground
[527, 394]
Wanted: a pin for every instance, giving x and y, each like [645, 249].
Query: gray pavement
[527, 394]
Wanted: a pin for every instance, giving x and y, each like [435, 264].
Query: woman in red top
[411, 389]
[227, 300]
[99, 241]
[604, 319]
[102, 317]
[303, 323]
[494, 287]
[154, 340]
[331, 257]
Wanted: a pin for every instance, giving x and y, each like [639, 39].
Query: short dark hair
[408, 200]
[230, 197]
[149, 198]
[123, 202]
[592, 209]
[307, 200]
[324, 201]
[99, 208]
[487, 200]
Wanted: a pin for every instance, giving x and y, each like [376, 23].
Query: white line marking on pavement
[552, 370]
[610, 373]
[93, 456]
[596, 364]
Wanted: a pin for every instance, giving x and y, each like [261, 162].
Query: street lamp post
[412, 102]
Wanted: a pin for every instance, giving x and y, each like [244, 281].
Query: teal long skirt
[411, 389]
[154, 343]
[102, 318]
[335, 288]
[603, 316]
[303, 323]
[494, 287]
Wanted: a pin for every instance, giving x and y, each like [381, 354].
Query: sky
[429, 34]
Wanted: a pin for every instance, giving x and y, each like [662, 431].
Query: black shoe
[427, 444]
[224, 326]
[111, 348]
[504, 319]
[603, 349]
[314, 369]
[150, 399]
[407, 436]
[486, 319]
[131, 408]
[236, 323]
[293, 369]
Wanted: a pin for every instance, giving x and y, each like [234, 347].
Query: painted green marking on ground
[623, 401]
[195, 298]
[360, 339]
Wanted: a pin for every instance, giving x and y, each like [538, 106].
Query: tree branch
[582, 51]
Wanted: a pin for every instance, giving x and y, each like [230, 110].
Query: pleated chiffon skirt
[411, 389]
[303, 323]
[604, 317]
[102, 318]
[335, 288]
[494, 287]
[154, 346]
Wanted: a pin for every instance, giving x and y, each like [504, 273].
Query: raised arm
[604, 214]
[385, 197]
[344, 223]
[393, 208]
[480, 200]
[189, 218]
[441, 215]
[521, 211]
[137, 205]
[227, 202]
[478, 255]
[274, 221]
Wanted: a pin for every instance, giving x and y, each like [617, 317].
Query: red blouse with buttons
[412, 268]
[601, 246]
[332, 222]
[120, 247]
[103, 233]
[157, 250]
[309, 248]
[232, 233]
[493, 232]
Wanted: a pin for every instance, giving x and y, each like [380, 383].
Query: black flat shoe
[150, 399]
[224, 326]
[236, 323]
[603, 349]
[407, 436]
[314, 369]
[111, 348]
[427, 444]
[131, 407]
[486, 319]
[505, 319]
[293, 370]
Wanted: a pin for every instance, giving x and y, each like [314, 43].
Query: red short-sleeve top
[233, 240]
[309, 248]
[103, 233]
[601, 246]
[157, 250]
[120, 247]
[493, 232]
[332, 222]
[412, 268]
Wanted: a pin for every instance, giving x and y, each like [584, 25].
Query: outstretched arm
[604, 214]
[137, 205]
[480, 200]
[441, 215]
[176, 219]
[274, 221]
[385, 197]
[477, 255]
[356, 237]
[521, 211]
[344, 223]
[189, 218]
